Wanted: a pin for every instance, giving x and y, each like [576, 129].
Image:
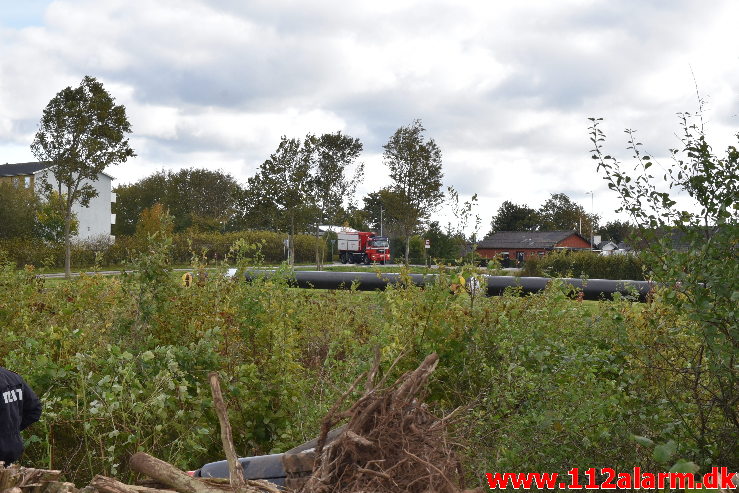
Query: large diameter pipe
[592, 289]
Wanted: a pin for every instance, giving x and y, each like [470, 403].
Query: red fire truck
[363, 247]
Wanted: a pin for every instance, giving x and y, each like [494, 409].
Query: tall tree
[444, 245]
[254, 209]
[616, 231]
[376, 211]
[82, 131]
[559, 212]
[132, 199]
[514, 217]
[415, 168]
[195, 197]
[51, 219]
[283, 185]
[332, 187]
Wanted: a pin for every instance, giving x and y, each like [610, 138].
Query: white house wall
[95, 219]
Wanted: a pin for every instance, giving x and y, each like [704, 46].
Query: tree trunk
[319, 264]
[407, 249]
[168, 474]
[110, 485]
[291, 241]
[68, 243]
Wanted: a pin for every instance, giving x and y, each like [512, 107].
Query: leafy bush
[586, 264]
[700, 279]
[212, 246]
[121, 365]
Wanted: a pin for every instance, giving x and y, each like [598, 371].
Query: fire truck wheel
[367, 260]
[342, 257]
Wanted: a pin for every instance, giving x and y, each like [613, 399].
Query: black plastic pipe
[592, 289]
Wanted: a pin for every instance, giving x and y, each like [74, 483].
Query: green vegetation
[81, 132]
[586, 264]
[415, 168]
[213, 246]
[551, 383]
[558, 212]
[703, 274]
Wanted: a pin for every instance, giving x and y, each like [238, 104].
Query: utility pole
[380, 221]
[592, 201]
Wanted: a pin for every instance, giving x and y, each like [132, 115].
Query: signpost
[427, 246]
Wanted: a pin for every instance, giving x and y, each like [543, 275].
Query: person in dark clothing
[19, 408]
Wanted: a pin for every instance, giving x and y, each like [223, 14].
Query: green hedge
[586, 264]
[214, 246]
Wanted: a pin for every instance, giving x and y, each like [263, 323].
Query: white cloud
[504, 88]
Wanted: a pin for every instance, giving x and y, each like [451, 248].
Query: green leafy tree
[81, 132]
[153, 220]
[700, 280]
[255, 209]
[415, 168]
[443, 245]
[380, 211]
[616, 231]
[282, 188]
[200, 199]
[357, 218]
[132, 199]
[18, 208]
[514, 217]
[375, 211]
[334, 154]
[51, 219]
[559, 212]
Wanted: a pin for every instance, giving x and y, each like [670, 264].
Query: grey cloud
[532, 78]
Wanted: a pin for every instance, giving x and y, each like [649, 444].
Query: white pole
[380, 221]
[592, 201]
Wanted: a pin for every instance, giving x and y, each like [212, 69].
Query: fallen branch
[235, 471]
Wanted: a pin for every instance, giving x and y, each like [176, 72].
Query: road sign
[428, 243]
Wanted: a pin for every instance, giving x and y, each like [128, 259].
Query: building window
[27, 181]
[16, 181]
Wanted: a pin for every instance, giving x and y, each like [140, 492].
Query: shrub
[121, 365]
[208, 245]
[586, 264]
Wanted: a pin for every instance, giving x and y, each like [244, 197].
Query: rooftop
[19, 169]
[22, 169]
[525, 239]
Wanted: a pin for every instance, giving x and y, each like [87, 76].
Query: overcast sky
[505, 88]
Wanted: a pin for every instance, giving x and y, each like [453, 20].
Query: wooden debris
[235, 470]
[18, 479]
[181, 482]
[390, 444]
[109, 485]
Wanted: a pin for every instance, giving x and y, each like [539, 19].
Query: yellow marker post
[187, 279]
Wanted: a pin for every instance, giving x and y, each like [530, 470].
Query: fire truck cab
[363, 248]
